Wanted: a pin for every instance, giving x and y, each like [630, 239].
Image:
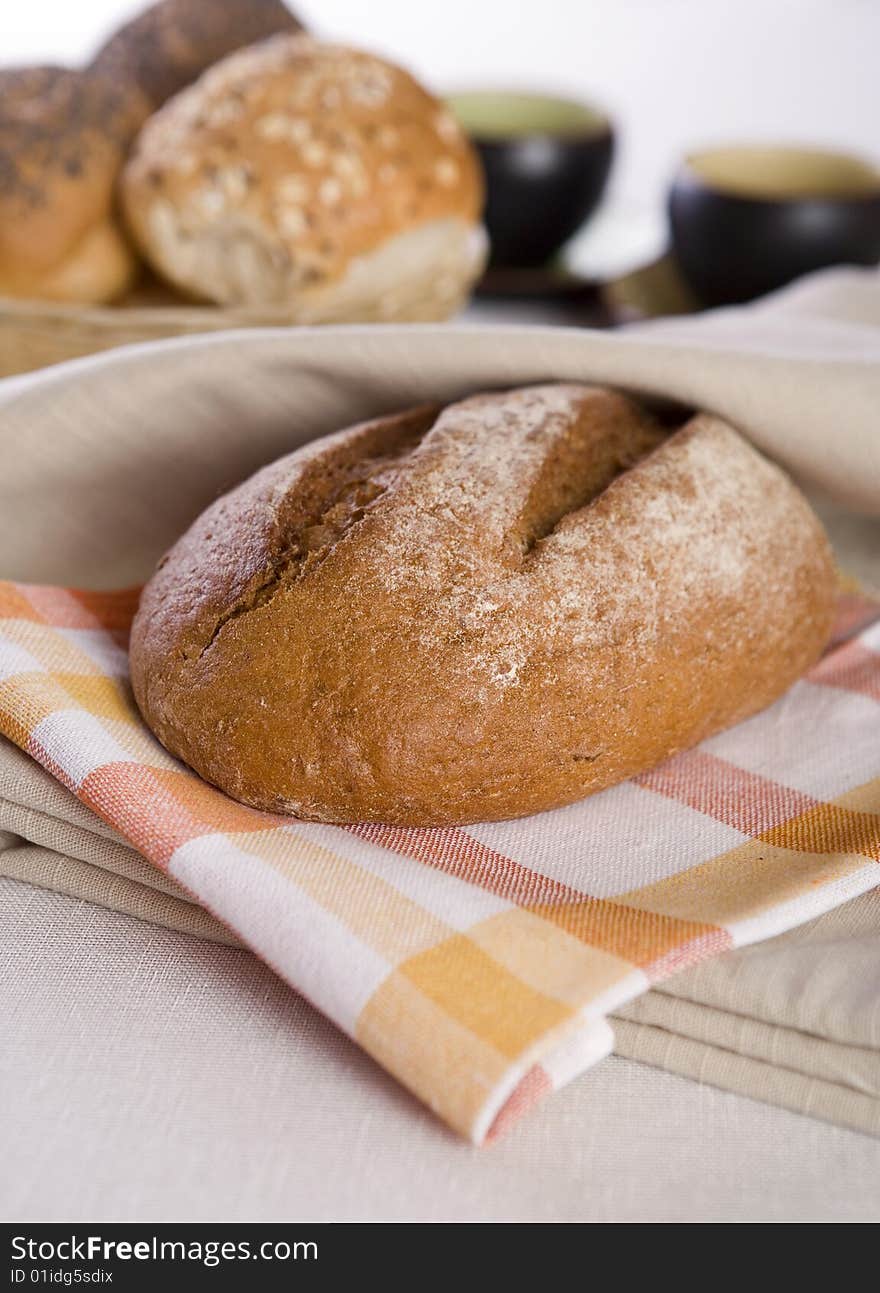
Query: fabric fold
[797, 1088]
[831, 1061]
[36, 865]
[123, 449]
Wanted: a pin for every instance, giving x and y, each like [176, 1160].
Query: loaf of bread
[313, 176]
[63, 136]
[480, 612]
[169, 44]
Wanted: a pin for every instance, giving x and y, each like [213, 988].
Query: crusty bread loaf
[480, 612]
[172, 42]
[295, 172]
[63, 136]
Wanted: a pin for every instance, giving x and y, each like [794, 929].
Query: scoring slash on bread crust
[300, 173]
[479, 612]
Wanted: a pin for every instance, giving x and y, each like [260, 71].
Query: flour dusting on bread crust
[480, 612]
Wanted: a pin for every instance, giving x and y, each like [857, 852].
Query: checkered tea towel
[478, 965]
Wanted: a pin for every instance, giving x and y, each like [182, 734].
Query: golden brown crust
[289, 164]
[63, 135]
[171, 43]
[434, 619]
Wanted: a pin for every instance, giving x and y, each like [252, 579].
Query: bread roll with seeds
[480, 612]
[63, 137]
[313, 176]
[171, 43]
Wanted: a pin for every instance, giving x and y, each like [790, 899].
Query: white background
[674, 73]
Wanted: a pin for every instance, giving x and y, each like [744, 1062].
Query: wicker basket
[36, 333]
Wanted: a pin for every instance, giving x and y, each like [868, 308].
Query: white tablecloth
[150, 1076]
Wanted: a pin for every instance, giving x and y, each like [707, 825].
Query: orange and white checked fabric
[478, 965]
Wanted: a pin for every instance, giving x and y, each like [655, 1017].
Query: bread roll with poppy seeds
[479, 612]
[170, 44]
[63, 137]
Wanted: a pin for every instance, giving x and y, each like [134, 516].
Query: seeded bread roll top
[288, 170]
[63, 136]
[170, 44]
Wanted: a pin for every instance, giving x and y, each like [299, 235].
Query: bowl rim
[689, 170]
[597, 123]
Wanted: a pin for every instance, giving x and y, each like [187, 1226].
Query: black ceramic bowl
[546, 162]
[747, 220]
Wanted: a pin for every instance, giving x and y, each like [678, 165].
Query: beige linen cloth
[106, 460]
